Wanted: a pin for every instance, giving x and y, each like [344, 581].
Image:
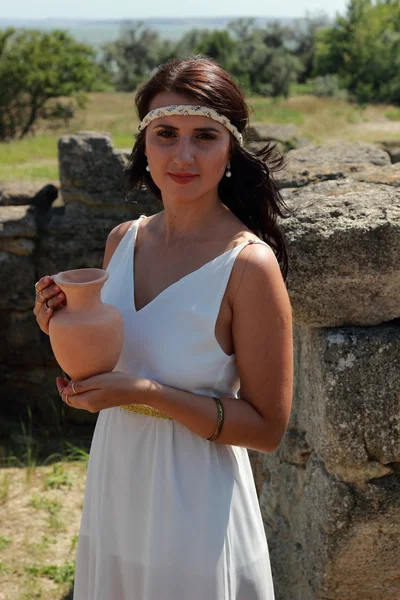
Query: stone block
[344, 252]
[17, 282]
[392, 147]
[328, 538]
[71, 243]
[77, 239]
[17, 222]
[311, 164]
[346, 380]
[17, 193]
[34, 389]
[21, 342]
[91, 171]
[18, 246]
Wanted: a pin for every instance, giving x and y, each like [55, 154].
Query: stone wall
[330, 494]
[37, 238]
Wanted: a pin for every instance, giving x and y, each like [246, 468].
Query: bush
[329, 86]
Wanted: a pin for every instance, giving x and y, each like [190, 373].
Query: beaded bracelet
[220, 420]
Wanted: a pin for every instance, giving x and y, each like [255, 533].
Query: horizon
[48, 10]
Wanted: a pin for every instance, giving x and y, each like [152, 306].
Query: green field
[321, 120]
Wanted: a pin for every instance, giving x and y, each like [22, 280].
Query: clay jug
[87, 335]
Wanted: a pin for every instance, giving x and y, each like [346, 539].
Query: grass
[275, 111]
[58, 573]
[318, 119]
[40, 516]
[58, 477]
[393, 115]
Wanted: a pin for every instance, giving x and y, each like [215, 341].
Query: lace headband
[190, 109]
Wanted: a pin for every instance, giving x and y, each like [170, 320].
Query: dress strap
[256, 241]
[135, 222]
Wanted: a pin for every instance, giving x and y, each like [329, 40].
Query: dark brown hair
[250, 193]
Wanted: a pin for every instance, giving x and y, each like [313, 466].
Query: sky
[133, 9]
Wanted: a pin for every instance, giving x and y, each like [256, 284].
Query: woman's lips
[182, 179]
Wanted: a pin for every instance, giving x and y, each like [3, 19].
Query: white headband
[190, 109]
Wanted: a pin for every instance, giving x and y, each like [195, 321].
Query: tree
[264, 63]
[135, 54]
[304, 41]
[188, 43]
[36, 67]
[221, 47]
[363, 49]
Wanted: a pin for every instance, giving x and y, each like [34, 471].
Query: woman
[170, 509]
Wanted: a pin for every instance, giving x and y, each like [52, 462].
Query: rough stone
[388, 175]
[20, 271]
[34, 389]
[285, 137]
[18, 246]
[327, 538]
[346, 379]
[343, 243]
[392, 147]
[17, 222]
[73, 244]
[394, 154]
[91, 170]
[255, 147]
[20, 339]
[17, 192]
[312, 163]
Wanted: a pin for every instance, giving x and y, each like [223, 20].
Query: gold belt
[144, 410]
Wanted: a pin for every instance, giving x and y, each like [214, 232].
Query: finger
[46, 311]
[61, 383]
[43, 282]
[79, 387]
[40, 297]
[55, 300]
[42, 313]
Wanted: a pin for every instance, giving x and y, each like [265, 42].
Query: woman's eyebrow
[165, 126]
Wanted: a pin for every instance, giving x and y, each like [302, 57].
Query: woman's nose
[183, 152]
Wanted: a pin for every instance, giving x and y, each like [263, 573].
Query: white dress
[168, 515]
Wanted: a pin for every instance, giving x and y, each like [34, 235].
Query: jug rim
[71, 277]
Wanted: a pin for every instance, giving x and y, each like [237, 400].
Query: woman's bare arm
[262, 333]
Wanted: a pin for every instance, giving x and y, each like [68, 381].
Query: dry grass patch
[40, 515]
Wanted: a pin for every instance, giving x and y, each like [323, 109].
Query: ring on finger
[66, 400]
[73, 387]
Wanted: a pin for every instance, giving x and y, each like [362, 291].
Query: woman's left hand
[102, 391]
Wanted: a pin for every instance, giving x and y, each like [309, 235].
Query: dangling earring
[147, 167]
[228, 172]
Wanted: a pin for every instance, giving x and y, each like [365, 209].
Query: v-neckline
[175, 283]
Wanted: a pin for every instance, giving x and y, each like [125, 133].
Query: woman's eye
[160, 133]
[207, 136]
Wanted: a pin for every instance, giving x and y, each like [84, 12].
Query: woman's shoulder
[113, 240]
[119, 231]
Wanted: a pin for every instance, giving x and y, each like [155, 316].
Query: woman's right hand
[47, 292]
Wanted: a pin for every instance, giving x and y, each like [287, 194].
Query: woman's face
[192, 145]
